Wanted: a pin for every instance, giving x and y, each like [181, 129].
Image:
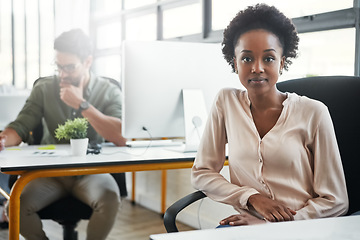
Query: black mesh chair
[340, 94]
[75, 209]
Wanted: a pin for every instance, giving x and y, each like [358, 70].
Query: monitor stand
[195, 116]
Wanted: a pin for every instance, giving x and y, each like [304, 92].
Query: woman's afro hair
[261, 16]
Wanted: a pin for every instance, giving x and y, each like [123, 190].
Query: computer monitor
[169, 87]
[10, 107]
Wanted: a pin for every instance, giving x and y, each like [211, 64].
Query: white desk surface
[38, 157]
[340, 228]
[55, 160]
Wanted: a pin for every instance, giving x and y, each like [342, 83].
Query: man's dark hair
[76, 42]
[261, 16]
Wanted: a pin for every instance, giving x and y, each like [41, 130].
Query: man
[73, 92]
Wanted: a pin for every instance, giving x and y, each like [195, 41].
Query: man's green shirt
[44, 104]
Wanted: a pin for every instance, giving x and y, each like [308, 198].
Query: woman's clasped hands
[271, 210]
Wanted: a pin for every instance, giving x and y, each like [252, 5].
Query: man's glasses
[69, 68]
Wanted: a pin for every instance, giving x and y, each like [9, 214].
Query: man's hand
[71, 95]
[271, 210]
[2, 142]
[241, 219]
[8, 138]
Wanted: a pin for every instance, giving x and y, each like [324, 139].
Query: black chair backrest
[340, 94]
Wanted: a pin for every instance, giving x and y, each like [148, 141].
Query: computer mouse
[94, 148]
[94, 145]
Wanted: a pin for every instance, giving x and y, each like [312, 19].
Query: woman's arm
[329, 180]
[210, 160]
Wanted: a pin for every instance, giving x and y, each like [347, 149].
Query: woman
[283, 156]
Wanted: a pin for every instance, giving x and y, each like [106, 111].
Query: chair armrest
[174, 209]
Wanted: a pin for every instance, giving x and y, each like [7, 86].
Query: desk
[31, 162]
[344, 228]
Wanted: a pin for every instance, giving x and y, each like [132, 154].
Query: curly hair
[261, 16]
[76, 42]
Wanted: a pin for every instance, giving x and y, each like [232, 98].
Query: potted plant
[74, 130]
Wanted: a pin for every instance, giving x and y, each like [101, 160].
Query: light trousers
[99, 191]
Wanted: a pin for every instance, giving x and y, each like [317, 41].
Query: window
[141, 28]
[5, 43]
[32, 42]
[104, 8]
[47, 36]
[128, 4]
[109, 22]
[19, 43]
[324, 53]
[224, 10]
[108, 35]
[182, 21]
[108, 66]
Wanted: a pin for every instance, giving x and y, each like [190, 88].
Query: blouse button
[260, 160]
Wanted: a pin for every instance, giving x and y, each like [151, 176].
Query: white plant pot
[79, 146]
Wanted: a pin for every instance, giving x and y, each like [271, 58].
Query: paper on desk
[34, 152]
[50, 153]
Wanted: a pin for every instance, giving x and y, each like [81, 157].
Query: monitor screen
[154, 75]
[10, 107]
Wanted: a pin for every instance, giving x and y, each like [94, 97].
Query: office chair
[341, 94]
[75, 210]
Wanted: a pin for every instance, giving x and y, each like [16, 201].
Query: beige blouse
[297, 162]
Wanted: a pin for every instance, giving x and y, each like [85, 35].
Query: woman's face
[258, 60]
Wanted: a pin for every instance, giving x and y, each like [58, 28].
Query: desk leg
[14, 208]
[133, 185]
[163, 191]
[14, 217]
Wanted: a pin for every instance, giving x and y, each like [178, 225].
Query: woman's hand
[241, 219]
[271, 210]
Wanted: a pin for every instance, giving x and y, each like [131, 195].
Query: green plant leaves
[72, 129]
